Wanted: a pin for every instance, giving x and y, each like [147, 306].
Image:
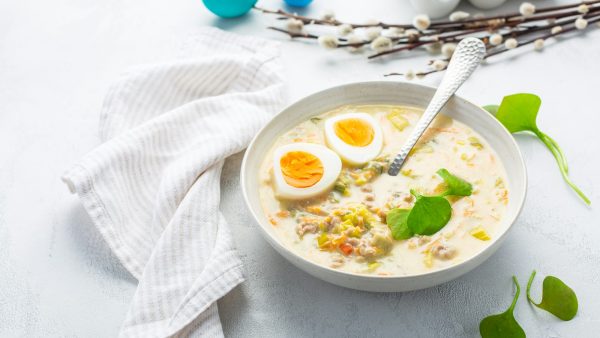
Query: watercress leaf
[503, 325]
[562, 163]
[518, 112]
[456, 185]
[492, 108]
[397, 221]
[429, 215]
[557, 297]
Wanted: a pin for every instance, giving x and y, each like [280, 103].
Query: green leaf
[397, 221]
[562, 164]
[503, 325]
[492, 108]
[518, 113]
[557, 297]
[456, 185]
[429, 214]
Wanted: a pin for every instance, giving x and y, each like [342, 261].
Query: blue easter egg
[229, 8]
[298, 3]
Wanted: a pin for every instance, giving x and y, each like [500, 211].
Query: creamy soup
[325, 189]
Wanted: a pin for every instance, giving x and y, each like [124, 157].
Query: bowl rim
[280, 247]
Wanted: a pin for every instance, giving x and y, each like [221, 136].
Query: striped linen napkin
[152, 187]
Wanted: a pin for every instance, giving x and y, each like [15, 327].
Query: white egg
[356, 137]
[304, 170]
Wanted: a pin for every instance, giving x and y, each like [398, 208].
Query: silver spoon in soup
[468, 55]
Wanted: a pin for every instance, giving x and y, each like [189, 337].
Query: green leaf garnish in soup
[397, 219]
[429, 214]
[518, 113]
[503, 325]
[456, 186]
[557, 297]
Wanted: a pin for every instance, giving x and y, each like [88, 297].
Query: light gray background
[58, 278]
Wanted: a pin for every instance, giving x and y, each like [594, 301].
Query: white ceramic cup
[486, 4]
[435, 8]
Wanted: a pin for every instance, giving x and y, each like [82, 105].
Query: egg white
[332, 166]
[351, 154]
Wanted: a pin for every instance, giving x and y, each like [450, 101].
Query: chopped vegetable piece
[407, 172]
[342, 185]
[346, 248]
[557, 297]
[474, 141]
[361, 180]
[397, 120]
[375, 167]
[315, 209]
[323, 240]
[315, 120]
[373, 266]
[423, 149]
[428, 260]
[499, 183]
[480, 234]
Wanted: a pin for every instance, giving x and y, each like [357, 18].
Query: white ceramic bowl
[396, 93]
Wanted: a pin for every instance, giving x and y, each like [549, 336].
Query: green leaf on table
[456, 186]
[503, 325]
[518, 113]
[397, 221]
[557, 297]
[492, 108]
[429, 214]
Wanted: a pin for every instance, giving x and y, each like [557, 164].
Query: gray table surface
[59, 279]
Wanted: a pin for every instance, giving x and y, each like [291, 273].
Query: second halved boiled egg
[356, 137]
[304, 170]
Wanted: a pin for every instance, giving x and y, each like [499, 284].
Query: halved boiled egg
[356, 137]
[303, 170]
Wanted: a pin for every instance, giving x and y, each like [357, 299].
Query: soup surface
[345, 225]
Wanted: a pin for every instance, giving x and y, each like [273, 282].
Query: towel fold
[152, 187]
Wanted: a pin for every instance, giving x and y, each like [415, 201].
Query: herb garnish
[503, 325]
[557, 298]
[397, 219]
[518, 113]
[456, 186]
[430, 213]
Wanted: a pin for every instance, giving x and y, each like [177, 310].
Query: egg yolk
[301, 169]
[355, 132]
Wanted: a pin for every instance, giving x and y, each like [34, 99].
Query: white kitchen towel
[152, 187]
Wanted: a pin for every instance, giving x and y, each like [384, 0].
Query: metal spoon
[466, 58]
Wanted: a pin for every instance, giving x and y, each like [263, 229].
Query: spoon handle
[468, 55]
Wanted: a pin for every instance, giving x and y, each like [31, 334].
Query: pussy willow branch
[513, 34]
[525, 29]
[495, 51]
